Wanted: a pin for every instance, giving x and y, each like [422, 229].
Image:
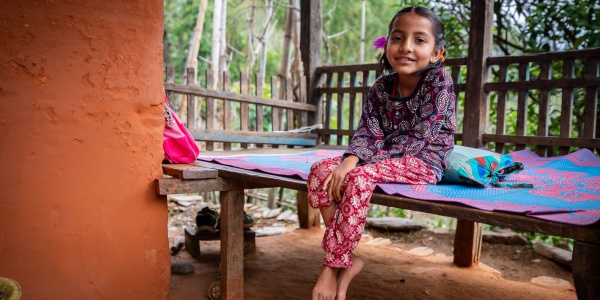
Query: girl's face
[411, 44]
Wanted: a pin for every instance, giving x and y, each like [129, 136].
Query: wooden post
[232, 244]
[480, 47]
[307, 216]
[311, 24]
[586, 270]
[467, 242]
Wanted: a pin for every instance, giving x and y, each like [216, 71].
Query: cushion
[480, 167]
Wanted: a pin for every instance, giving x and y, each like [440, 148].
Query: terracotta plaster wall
[81, 121]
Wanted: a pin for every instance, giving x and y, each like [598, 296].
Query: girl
[405, 135]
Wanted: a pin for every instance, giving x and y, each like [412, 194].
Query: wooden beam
[185, 171]
[308, 217]
[480, 47]
[170, 186]
[232, 244]
[467, 243]
[231, 96]
[311, 27]
[475, 116]
[586, 270]
[256, 137]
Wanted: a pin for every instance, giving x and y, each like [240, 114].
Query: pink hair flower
[380, 42]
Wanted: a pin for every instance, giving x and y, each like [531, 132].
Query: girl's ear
[436, 54]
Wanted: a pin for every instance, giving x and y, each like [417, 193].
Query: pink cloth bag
[179, 145]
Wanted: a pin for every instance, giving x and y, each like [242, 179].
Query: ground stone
[421, 251]
[504, 237]
[395, 224]
[556, 254]
[553, 282]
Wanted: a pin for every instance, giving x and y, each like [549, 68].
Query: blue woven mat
[566, 188]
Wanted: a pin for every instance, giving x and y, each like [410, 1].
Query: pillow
[480, 167]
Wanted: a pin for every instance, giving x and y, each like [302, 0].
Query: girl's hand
[333, 182]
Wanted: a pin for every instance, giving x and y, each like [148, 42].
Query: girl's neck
[406, 85]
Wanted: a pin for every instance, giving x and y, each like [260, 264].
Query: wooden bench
[332, 95]
[232, 181]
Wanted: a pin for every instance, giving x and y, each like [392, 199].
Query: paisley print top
[421, 125]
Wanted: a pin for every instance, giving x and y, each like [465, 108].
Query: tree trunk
[287, 41]
[192, 57]
[250, 57]
[224, 59]
[362, 31]
[297, 63]
[216, 42]
[264, 39]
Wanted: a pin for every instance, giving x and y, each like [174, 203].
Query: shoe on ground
[248, 222]
[207, 220]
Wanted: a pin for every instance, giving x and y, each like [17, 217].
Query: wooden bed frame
[324, 93]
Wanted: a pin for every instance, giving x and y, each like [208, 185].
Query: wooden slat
[276, 122]
[340, 107]
[327, 112]
[282, 92]
[590, 117]
[255, 137]
[541, 140]
[566, 110]
[170, 80]
[244, 109]
[303, 98]
[352, 101]
[543, 112]
[522, 105]
[199, 91]
[501, 109]
[185, 171]
[542, 84]
[210, 109]
[343, 89]
[289, 96]
[226, 86]
[191, 99]
[536, 58]
[259, 107]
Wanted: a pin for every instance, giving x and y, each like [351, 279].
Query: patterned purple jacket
[421, 125]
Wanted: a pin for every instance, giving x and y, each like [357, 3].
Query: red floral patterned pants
[349, 216]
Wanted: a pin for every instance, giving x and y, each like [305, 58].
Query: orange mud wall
[81, 121]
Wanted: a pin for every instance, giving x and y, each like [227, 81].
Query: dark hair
[438, 33]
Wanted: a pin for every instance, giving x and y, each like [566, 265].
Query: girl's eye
[396, 38]
[420, 41]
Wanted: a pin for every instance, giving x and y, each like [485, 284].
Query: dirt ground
[286, 266]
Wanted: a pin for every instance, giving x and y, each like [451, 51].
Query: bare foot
[346, 276]
[327, 283]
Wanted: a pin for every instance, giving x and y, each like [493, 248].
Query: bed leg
[308, 217]
[467, 243]
[232, 244]
[586, 270]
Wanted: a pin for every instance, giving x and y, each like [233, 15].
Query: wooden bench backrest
[222, 118]
[520, 86]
